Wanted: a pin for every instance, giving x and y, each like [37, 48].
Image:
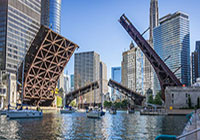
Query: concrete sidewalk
[193, 124]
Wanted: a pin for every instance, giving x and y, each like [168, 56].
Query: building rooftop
[170, 16]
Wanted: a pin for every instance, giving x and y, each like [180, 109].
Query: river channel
[76, 126]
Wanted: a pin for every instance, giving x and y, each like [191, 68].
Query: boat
[67, 110]
[113, 111]
[95, 113]
[130, 111]
[21, 114]
[102, 113]
[3, 112]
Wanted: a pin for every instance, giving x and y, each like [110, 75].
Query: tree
[150, 99]
[117, 104]
[124, 104]
[107, 104]
[158, 99]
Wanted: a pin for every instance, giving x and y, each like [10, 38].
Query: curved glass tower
[50, 14]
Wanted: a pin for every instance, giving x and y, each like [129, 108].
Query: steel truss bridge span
[165, 75]
[81, 91]
[44, 62]
[134, 96]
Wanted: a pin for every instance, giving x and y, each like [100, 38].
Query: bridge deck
[44, 62]
[136, 97]
[81, 91]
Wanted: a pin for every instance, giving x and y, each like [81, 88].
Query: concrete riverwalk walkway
[193, 123]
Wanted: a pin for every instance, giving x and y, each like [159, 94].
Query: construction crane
[165, 75]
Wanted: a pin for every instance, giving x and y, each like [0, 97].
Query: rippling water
[76, 126]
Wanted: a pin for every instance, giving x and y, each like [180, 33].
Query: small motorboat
[21, 114]
[94, 113]
[102, 113]
[67, 110]
[113, 111]
[130, 111]
[3, 112]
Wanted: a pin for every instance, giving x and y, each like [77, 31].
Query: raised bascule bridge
[137, 98]
[44, 62]
[165, 76]
[80, 92]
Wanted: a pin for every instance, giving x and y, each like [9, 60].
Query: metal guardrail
[185, 134]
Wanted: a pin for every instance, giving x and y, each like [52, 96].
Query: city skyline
[101, 32]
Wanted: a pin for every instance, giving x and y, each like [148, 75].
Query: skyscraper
[172, 38]
[116, 76]
[20, 21]
[148, 69]
[154, 15]
[50, 14]
[103, 80]
[195, 60]
[198, 51]
[71, 82]
[194, 65]
[88, 69]
[132, 69]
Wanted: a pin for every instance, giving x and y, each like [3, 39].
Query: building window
[172, 95]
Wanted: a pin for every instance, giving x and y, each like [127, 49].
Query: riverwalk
[165, 112]
[193, 124]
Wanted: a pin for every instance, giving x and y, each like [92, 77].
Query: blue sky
[94, 26]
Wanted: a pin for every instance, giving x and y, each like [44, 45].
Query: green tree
[107, 104]
[117, 104]
[158, 99]
[150, 99]
[124, 104]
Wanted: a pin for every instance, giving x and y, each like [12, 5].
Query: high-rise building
[154, 17]
[172, 38]
[198, 51]
[71, 82]
[19, 23]
[66, 83]
[116, 76]
[148, 69]
[86, 70]
[194, 65]
[132, 72]
[195, 62]
[103, 81]
[50, 14]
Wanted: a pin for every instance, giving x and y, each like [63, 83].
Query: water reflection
[77, 126]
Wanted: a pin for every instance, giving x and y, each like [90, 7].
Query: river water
[76, 126]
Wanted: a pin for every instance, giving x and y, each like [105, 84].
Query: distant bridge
[44, 62]
[81, 91]
[134, 96]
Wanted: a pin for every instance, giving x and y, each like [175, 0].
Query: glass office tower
[50, 14]
[19, 23]
[195, 60]
[116, 76]
[172, 38]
